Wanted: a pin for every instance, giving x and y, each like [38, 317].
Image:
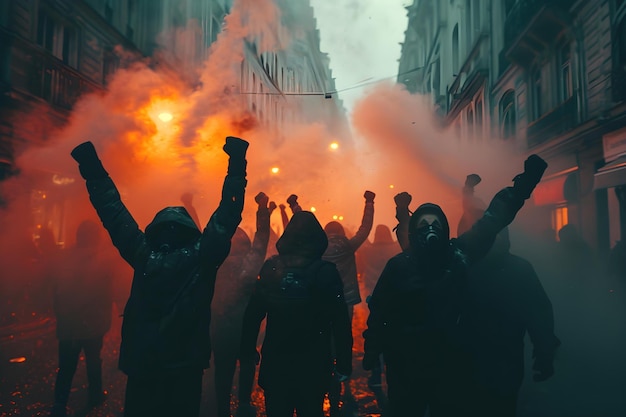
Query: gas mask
[430, 237]
[428, 232]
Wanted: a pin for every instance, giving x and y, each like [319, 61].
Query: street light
[165, 117]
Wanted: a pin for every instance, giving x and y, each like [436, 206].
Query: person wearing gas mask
[415, 309]
[503, 300]
[165, 332]
[234, 287]
[307, 317]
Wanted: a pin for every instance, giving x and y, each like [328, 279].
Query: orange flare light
[275, 170]
[165, 117]
[18, 360]
[334, 146]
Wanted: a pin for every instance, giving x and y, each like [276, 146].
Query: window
[455, 49]
[536, 93]
[507, 112]
[468, 24]
[58, 39]
[436, 77]
[470, 125]
[476, 14]
[565, 73]
[559, 218]
[479, 118]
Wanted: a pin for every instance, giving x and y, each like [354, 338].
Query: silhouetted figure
[83, 295]
[503, 300]
[373, 259]
[416, 306]
[302, 297]
[341, 251]
[234, 287]
[165, 333]
[575, 256]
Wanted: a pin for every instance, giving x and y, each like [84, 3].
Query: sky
[362, 39]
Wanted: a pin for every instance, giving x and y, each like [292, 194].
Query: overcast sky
[362, 38]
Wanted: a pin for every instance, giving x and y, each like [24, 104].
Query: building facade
[546, 75]
[54, 51]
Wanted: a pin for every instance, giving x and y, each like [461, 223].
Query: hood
[168, 215]
[240, 243]
[303, 236]
[428, 208]
[334, 228]
[382, 235]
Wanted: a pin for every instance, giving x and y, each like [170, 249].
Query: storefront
[612, 177]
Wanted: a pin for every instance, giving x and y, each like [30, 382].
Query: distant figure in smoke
[504, 299]
[83, 297]
[473, 207]
[373, 259]
[165, 333]
[416, 307]
[576, 258]
[233, 289]
[341, 252]
[302, 297]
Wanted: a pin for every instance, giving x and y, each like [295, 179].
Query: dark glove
[89, 164]
[369, 197]
[236, 148]
[262, 199]
[271, 207]
[472, 180]
[525, 183]
[371, 361]
[403, 199]
[292, 200]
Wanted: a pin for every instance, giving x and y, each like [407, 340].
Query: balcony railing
[558, 121]
[37, 72]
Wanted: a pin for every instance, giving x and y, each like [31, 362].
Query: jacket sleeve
[366, 227]
[538, 317]
[402, 229]
[254, 259]
[129, 240]
[252, 318]
[215, 241]
[476, 242]
[374, 334]
[341, 326]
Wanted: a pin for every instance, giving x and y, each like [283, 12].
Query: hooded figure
[503, 300]
[233, 289]
[165, 332]
[416, 307]
[83, 298]
[341, 252]
[302, 298]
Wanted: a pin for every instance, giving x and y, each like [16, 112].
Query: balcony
[531, 25]
[37, 72]
[558, 121]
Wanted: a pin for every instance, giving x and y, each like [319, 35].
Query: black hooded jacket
[418, 298]
[302, 298]
[167, 317]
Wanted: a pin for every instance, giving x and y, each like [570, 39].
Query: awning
[550, 192]
[611, 175]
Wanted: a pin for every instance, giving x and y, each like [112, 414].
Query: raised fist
[272, 207]
[369, 196]
[472, 180]
[403, 199]
[235, 147]
[292, 200]
[262, 199]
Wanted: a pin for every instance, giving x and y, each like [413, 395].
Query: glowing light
[60, 180]
[165, 117]
[340, 218]
[19, 359]
[391, 186]
[275, 170]
[313, 209]
[335, 217]
[334, 146]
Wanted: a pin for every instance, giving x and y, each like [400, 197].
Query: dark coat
[167, 317]
[416, 306]
[341, 251]
[302, 298]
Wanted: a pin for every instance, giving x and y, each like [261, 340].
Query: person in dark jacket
[165, 332]
[341, 251]
[302, 297]
[83, 298]
[234, 287]
[416, 306]
[503, 300]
